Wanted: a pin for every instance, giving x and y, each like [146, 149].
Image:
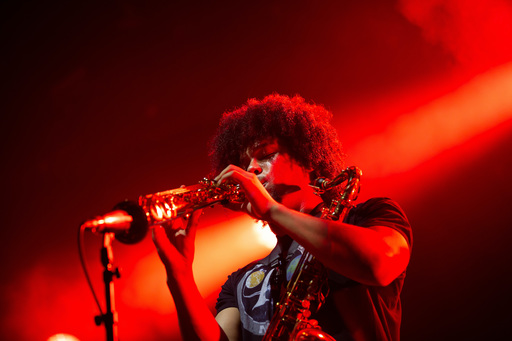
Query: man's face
[279, 173]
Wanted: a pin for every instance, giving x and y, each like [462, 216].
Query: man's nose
[254, 167]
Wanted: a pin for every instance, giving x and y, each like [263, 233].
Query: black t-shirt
[352, 311]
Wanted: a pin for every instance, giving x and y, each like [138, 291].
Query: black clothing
[352, 311]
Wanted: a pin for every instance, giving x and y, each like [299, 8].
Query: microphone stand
[110, 318]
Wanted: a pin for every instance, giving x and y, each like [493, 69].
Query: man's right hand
[175, 243]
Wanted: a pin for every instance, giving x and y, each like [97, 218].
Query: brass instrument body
[292, 316]
[305, 289]
[291, 320]
[165, 206]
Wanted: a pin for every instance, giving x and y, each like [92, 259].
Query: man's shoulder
[381, 211]
[377, 201]
[377, 206]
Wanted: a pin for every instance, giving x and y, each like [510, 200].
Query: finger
[195, 216]
[224, 176]
[161, 241]
[159, 236]
[192, 221]
[221, 173]
[176, 224]
[229, 169]
[234, 175]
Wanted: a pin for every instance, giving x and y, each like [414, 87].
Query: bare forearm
[373, 256]
[195, 319]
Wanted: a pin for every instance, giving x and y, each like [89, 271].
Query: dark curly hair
[303, 129]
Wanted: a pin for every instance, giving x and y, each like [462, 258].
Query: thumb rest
[308, 283]
[168, 205]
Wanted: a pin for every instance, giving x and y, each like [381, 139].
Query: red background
[107, 100]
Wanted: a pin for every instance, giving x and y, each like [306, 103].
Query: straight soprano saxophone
[291, 320]
[165, 206]
[130, 220]
[305, 289]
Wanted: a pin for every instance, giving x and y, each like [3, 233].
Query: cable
[84, 266]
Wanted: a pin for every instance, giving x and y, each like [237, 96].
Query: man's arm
[176, 250]
[229, 320]
[195, 319]
[375, 255]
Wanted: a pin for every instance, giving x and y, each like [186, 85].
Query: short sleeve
[227, 295]
[381, 212]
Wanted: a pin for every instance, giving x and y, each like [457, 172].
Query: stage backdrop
[107, 100]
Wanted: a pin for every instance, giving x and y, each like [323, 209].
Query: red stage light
[62, 337]
[477, 106]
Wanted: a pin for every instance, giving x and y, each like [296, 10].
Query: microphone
[115, 221]
[127, 221]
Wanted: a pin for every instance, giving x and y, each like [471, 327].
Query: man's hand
[258, 200]
[175, 243]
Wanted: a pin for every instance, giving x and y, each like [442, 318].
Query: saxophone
[168, 205]
[291, 320]
[304, 291]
